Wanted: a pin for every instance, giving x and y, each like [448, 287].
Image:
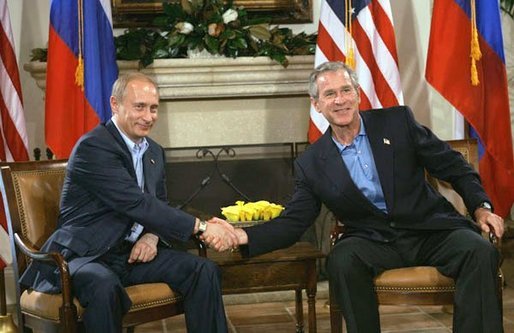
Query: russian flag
[81, 69]
[476, 85]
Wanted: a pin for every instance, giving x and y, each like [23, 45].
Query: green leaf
[212, 44]
[260, 31]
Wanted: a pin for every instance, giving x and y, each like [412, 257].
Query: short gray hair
[120, 85]
[330, 66]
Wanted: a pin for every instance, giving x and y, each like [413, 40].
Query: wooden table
[293, 268]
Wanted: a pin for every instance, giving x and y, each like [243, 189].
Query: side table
[293, 268]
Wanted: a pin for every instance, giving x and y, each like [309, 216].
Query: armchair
[421, 285]
[31, 193]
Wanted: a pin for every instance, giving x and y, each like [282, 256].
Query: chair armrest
[336, 232]
[200, 246]
[53, 257]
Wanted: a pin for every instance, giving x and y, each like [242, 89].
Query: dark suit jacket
[402, 150]
[100, 201]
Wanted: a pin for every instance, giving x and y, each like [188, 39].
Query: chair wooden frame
[421, 285]
[152, 301]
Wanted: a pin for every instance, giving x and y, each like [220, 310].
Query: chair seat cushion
[143, 296]
[417, 279]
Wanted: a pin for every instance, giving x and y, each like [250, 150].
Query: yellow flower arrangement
[251, 211]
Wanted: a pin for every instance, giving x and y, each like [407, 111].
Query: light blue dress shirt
[358, 158]
[137, 150]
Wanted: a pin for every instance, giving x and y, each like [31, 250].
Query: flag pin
[152, 161]
[386, 141]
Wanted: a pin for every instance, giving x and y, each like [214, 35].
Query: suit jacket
[101, 200]
[402, 150]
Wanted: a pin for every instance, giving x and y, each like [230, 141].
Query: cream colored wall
[30, 25]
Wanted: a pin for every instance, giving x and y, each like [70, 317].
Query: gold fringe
[79, 73]
[350, 56]
[475, 53]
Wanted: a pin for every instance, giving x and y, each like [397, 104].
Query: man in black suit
[113, 212]
[369, 170]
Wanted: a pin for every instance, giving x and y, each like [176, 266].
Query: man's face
[338, 99]
[137, 112]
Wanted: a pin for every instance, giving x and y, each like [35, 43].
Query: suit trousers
[462, 254]
[99, 287]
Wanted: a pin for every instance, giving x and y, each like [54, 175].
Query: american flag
[13, 136]
[362, 32]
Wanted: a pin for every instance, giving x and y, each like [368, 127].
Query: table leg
[311, 304]
[299, 311]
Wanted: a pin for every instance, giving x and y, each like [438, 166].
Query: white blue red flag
[361, 34]
[13, 135]
[81, 69]
[466, 64]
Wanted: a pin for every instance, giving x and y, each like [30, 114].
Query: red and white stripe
[375, 54]
[13, 135]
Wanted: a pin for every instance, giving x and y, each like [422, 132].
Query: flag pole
[6, 322]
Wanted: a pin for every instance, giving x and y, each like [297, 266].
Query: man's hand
[489, 222]
[145, 249]
[220, 235]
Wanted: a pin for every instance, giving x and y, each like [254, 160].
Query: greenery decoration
[214, 26]
[508, 7]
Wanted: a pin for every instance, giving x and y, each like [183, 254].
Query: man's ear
[114, 104]
[314, 103]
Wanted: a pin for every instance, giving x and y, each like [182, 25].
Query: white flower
[184, 27]
[229, 16]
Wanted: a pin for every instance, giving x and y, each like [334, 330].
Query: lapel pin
[152, 161]
[386, 141]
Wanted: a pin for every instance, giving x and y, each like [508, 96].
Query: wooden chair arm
[336, 232]
[55, 258]
[200, 246]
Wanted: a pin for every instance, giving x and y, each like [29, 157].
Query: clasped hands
[221, 235]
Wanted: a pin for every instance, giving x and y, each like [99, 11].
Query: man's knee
[343, 257]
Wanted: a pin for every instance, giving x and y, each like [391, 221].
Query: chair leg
[336, 318]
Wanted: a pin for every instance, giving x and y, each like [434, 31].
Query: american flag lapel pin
[386, 141]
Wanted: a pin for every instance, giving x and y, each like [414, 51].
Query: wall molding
[215, 77]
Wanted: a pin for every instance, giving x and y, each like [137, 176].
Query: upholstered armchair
[31, 193]
[420, 285]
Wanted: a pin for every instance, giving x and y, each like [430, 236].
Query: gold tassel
[79, 73]
[350, 60]
[476, 53]
[350, 56]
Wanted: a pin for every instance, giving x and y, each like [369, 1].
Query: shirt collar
[130, 143]
[361, 134]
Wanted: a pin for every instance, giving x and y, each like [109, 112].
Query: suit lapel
[381, 142]
[338, 173]
[126, 153]
[149, 167]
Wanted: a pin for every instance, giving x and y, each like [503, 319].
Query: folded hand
[145, 249]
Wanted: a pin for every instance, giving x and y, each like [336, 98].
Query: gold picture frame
[131, 13]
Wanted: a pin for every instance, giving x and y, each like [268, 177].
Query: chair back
[469, 150]
[31, 194]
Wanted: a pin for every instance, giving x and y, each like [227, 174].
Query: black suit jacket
[100, 201]
[402, 150]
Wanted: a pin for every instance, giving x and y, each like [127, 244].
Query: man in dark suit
[113, 212]
[369, 170]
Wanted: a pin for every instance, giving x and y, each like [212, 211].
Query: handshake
[221, 235]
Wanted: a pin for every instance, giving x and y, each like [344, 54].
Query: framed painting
[131, 13]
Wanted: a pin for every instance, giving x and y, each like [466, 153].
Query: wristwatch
[486, 205]
[202, 226]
